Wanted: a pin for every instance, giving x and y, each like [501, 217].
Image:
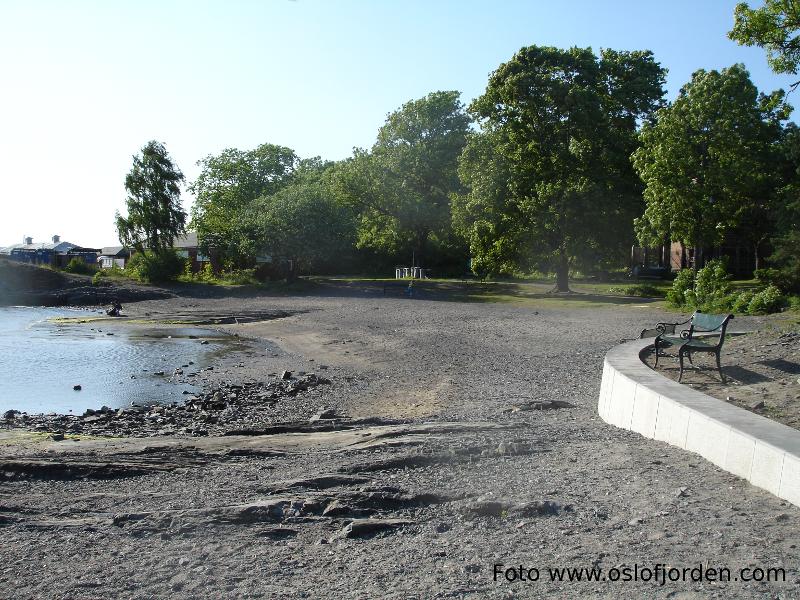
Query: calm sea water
[41, 361]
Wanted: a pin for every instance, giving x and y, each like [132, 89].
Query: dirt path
[485, 469]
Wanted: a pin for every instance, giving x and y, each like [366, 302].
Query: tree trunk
[757, 257]
[422, 247]
[562, 273]
[291, 271]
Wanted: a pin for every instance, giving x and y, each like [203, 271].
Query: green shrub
[741, 301]
[712, 288]
[768, 300]
[78, 265]
[639, 290]
[155, 267]
[680, 286]
[238, 277]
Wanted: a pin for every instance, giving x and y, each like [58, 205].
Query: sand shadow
[743, 375]
[781, 365]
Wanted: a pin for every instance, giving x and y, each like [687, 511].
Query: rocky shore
[221, 411]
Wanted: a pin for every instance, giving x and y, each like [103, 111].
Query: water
[41, 361]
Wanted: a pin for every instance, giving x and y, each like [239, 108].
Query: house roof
[59, 247]
[113, 251]
[186, 241]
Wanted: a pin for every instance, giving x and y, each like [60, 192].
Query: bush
[78, 265]
[712, 289]
[640, 290]
[152, 267]
[741, 301]
[768, 300]
[680, 286]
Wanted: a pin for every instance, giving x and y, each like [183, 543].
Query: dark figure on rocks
[113, 311]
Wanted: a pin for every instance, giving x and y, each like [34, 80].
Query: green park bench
[711, 327]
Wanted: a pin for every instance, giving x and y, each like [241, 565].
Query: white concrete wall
[634, 397]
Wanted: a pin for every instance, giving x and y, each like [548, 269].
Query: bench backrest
[702, 323]
[705, 322]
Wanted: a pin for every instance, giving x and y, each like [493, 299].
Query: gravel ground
[472, 441]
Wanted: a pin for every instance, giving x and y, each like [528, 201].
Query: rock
[756, 405]
[277, 533]
[486, 508]
[682, 492]
[286, 375]
[536, 508]
[340, 509]
[57, 437]
[77, 388]
[158, 372]
[204, 342]
[178, 372]
[500, 509]
[324, 415]
[636, 521]
[360, 528]
[442, 528]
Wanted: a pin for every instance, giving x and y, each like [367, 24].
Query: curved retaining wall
[635, 397]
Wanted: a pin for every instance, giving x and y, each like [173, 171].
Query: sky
[85, 84]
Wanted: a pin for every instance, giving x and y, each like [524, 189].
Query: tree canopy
[708, 161]
[226, 188]
[401, 188]
[773, 26]
[301, 224]
[155, 216]
[549, 176]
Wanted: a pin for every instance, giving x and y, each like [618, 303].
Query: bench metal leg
[656, 352]
[689, 356]
[680, 360]
[719, 368]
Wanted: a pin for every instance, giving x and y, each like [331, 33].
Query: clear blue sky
[86, 83]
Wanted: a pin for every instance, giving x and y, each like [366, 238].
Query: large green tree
[155, 216]
[708, 162]
[550, 184]
[786, 236]
[302, 225]
[225, 190]
[772, 26]
[401, 188]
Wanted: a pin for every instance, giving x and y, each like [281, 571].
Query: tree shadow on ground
[444, 291]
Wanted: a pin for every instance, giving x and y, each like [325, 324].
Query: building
[55, 253]
[113, 256]
[186, 246]
[675, 256]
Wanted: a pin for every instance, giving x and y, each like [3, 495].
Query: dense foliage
[557, 168]
[226, 189]
[401, 188]
[549, 176]
[155, 267]
[155, 217]
[709, 290]
[773, 26]
[709, 162]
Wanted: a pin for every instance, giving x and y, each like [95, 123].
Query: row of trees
[564, 160]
